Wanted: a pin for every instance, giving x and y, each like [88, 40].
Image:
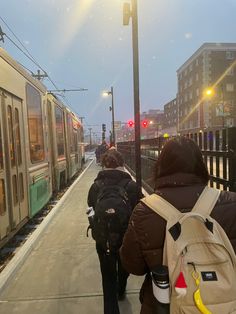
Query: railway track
[8, 251]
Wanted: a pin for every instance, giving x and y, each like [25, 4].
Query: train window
[1, 152]
[2, 198]
[60, 132]
[72, 134]
[14, 187]
[21, 187]
[75, 139]
[10, 133]
[35, 120]
[18, 144]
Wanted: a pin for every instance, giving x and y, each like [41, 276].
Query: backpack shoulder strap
[206, 201]
[161, 206]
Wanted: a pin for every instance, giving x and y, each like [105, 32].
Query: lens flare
[72, 25]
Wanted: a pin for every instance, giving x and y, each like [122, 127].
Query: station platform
[61, 273]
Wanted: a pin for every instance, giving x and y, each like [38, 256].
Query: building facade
[211, 67]
[170, 120]
[151, 123]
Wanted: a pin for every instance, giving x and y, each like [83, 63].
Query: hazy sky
[82, 43]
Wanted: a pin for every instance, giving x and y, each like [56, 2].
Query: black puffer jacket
[143, 242]
[113, 177]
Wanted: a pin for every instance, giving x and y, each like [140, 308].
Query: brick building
[212, 66]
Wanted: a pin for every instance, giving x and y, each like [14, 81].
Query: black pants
[114, 280]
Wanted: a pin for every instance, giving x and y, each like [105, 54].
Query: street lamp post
[106, 93]
[127, 14]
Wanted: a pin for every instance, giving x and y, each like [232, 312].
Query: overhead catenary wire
[19, 41]
[28, 54]
[33, 60]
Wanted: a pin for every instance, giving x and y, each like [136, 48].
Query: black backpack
[112, 213]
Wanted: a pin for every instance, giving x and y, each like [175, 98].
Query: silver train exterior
[41, 146]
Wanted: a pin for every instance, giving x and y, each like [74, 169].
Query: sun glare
[73, 24]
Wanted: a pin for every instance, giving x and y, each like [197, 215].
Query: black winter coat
[113, 177]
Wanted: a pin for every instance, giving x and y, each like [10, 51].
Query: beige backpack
[199, 256]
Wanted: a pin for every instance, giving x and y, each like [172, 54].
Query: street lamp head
[126, 13]
[105, 93]
[209, 92]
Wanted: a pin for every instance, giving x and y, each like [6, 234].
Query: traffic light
[130, 123]
[144, 123]
[104, 127]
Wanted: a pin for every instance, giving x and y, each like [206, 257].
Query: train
[41, 146]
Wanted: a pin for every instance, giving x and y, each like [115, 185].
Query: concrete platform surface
[61, 275]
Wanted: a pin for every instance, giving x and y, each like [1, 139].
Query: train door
[15, 159]
[4, 215]
[52, 157]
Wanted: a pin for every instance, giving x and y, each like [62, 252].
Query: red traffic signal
[130, 123]
[144, 123]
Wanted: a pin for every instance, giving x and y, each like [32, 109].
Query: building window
[196, 62]
[197, 91]
[190, 81]
[229, 87]
[190, 67]
[190, 95]
[229, 55]
[230, 72]
[197, 77]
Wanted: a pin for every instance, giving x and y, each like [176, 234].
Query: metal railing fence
[218, 148]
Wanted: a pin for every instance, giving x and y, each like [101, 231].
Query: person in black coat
[114, 277]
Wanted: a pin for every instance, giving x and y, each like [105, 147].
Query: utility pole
[112, 109]
[127, 14]
[40, 75]
[113, 117]
[90, 137]
[1, 35]
[81, 119]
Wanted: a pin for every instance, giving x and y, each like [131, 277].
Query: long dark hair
[181, 154]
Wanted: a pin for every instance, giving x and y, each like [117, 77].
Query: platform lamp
[105, 94]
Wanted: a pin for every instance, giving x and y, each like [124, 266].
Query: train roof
[7, 58]
[54, 98]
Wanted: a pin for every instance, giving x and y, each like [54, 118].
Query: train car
[73, 132]
[34, 156]
[66, 142]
